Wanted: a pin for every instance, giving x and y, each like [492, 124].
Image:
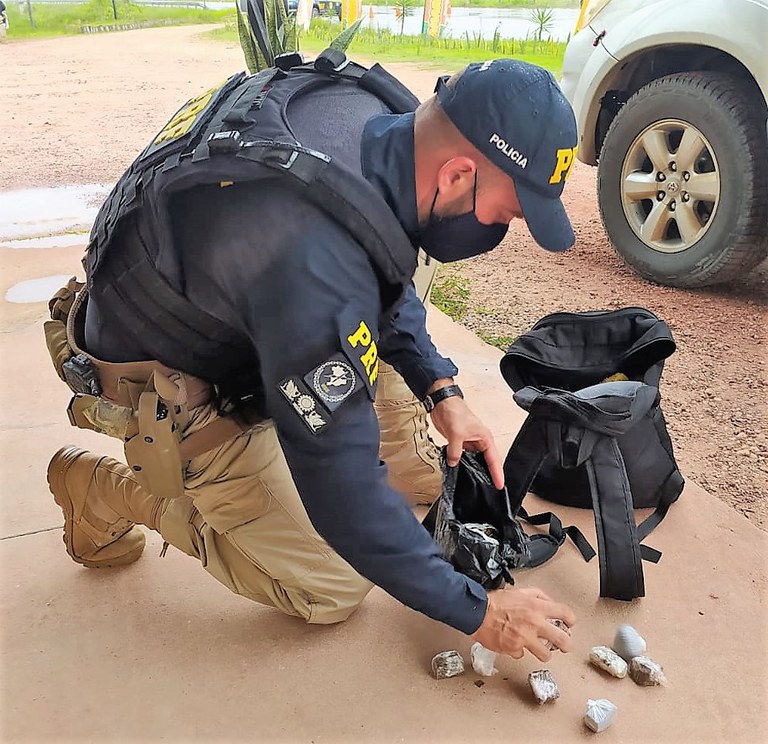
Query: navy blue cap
[515, 114]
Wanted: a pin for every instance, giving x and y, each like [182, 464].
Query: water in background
[511, 22]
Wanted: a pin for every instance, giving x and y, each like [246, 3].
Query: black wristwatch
[441, 394]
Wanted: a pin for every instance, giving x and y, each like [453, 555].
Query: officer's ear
[456, 178]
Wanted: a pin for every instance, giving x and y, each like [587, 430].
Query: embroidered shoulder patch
[358, 345]
[334, 381]
[304, 404]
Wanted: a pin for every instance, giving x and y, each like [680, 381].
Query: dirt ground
[76, 110]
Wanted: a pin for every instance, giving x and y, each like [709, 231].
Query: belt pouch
[58, 346]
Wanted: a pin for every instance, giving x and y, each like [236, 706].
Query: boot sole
[57, 486]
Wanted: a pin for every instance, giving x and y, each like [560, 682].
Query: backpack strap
[621, 571]
[525, 456]
[580, 429]
[669, 493]
[555, 537]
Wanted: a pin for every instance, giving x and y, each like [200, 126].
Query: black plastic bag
[472, 521]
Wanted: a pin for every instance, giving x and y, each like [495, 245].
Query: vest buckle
[288, 60]
[223, 142]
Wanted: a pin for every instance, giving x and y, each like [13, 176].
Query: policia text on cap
[243, 293]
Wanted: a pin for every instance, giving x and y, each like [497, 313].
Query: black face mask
[449, 239]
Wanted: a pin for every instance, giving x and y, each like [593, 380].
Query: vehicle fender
[737, 27]
[586, 75]
[719, 24]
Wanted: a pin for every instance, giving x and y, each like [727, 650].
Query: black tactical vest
[239, 132]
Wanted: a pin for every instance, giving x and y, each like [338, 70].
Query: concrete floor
[158, 651]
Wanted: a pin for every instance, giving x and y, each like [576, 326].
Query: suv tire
[718, 230]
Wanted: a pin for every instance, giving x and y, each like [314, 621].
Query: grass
[380, 44]
[450, 292]
[500, 342]
[60, 20]
[383, 45]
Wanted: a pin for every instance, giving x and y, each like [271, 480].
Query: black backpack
[595, 436]
[587, 442]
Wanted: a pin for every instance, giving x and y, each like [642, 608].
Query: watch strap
[449, 391]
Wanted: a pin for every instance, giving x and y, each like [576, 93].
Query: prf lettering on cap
[369, 356]
[565, 160]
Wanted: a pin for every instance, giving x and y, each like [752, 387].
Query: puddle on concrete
[34, 213]
[55, 241]
[36, 290]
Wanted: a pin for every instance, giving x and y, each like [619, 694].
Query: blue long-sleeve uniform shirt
[387, 163]
[312, 308]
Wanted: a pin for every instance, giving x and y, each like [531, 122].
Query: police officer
[296, 511]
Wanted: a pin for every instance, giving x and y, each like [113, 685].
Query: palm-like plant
[266, 29]
[404, 9]
[543, 19]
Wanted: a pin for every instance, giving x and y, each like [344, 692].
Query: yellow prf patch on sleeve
[185, 117]
[358, 335]
[364, 347]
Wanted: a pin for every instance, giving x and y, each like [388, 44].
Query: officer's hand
[464, 431]
[517, 619]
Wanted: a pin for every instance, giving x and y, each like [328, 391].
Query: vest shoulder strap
[240, 132]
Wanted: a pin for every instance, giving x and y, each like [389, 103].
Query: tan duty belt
[145, 404]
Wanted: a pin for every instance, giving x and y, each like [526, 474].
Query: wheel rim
[670, 186]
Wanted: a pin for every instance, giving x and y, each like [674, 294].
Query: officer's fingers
[558, 611]
[453, 450]
[539, 650]
[494, 462]
[556, 636]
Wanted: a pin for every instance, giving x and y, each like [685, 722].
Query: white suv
[670, 98]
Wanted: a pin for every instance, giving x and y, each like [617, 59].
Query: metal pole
[29, 11]
[114, 9]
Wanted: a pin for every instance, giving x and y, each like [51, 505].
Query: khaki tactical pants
[241, 515]
[411, 456]
[243, 518]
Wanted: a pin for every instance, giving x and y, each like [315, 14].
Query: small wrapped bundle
[600, 715]
[543, 686]
[447, 664]
[558, 624]
[484, 530]
[609, 661]
[483, 660]
[646, 672]
[628, 643]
